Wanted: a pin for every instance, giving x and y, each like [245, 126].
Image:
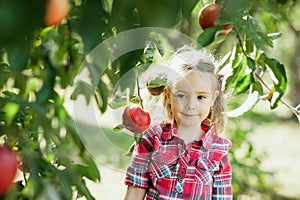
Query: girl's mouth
[189, 115]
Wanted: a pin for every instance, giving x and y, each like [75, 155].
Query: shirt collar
[169, 131]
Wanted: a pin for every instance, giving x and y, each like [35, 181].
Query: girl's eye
[181, 96]
[201, 97]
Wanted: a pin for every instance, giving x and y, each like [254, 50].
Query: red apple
[208, 16]
[56, 11]
[136, 119]
[8, 169]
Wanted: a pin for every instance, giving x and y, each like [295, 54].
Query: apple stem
[139, 93]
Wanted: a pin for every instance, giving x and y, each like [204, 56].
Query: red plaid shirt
[169, 169]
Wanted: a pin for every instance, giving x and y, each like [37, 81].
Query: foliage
[38, 64]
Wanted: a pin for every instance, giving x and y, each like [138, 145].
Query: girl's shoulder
[221, 143]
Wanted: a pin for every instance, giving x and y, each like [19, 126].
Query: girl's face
[191, 98]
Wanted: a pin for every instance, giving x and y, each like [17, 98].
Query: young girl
[183, 157]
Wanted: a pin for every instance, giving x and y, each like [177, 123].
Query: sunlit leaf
[135, 99]
[11, 109]
[157, 82]
[84, 89]
[102, 93]
[237, 75]
[225, 61]
[279, 78]
[250, 102]
[275, 36]
[120, 100]
[244, 84]
[256, 86]
[254, 33]
[207, 36]
[119, 127]
[159, 42]
[237, 56]
[149, 53]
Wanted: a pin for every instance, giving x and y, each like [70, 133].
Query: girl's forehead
[194, 80]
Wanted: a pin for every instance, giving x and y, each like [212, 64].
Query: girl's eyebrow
[198, 92]
[203, 92]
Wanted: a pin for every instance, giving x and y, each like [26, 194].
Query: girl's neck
[189, 133]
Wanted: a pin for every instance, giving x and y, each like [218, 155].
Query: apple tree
[41, 56]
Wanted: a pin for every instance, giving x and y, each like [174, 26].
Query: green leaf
[120, 100]
[135, 100]
[159, 42]
[265, 38]
[254, 33]
[18, 54]
[251, 63]
[5, 74]
[244, 84]
[65, 183]
[250, 102]
[157, 82]
[84, 171]
[275, 36]
[149, 53]
[83, 88]
[119, 127]
[207, 36]
[91, 23]
[137, 138]
[89, 170]
[83, 189]
[158, 13]
[279, 78]
[249, 46]
[188, 6]
[11, 109]
[237, 75]
[258, 87]
[237, 56]
[102, 93]
[226, 60]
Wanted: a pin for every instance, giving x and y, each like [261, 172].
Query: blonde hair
[184, 61]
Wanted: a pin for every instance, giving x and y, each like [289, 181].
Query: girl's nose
[192, 104]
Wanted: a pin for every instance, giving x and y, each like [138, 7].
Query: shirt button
[183, 166]
[179, 178]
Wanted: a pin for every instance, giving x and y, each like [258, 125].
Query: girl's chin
[194, 122]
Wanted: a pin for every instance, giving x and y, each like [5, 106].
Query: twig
[295, 110]
[138, 93]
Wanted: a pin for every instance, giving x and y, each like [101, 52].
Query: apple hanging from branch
[136, 119]
[8, 169]
[208, 16]
[56, 11]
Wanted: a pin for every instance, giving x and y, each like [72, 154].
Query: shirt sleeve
[222, 188]
[137, 174]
